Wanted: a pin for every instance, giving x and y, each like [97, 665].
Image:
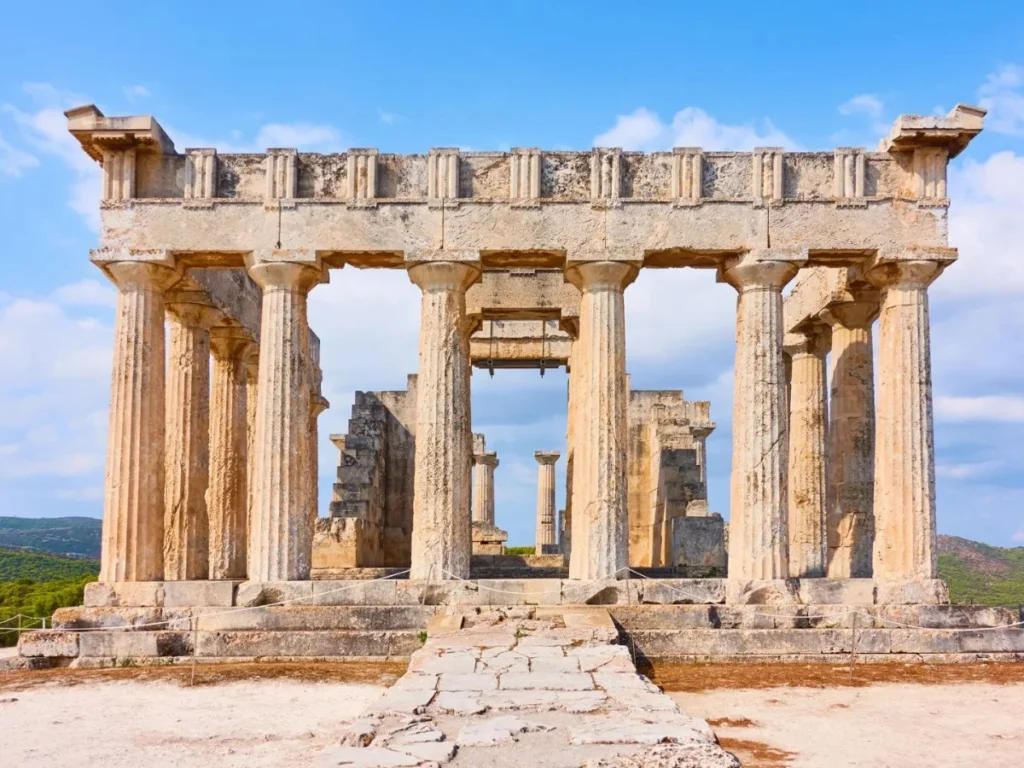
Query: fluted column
[133, 503]
[758, 529]
[280, 548]
[546, 535]
[186, 517]
[441, 529]
[850, 521]
[483, 487]
[807, 452]
[229, 453]
[600, 547]
[318, 405]
[904, 499]
[252, 375]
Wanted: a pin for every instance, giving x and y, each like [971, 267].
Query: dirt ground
[283, 715]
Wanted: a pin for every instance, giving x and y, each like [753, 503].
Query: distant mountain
[67, 536]
[980, 573]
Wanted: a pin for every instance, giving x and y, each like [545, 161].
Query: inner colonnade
[489, 236]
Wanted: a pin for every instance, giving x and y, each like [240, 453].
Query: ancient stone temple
[524, 259]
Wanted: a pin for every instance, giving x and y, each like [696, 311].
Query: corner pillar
[807, 452]
[441, 528]
[133, 501]
[229, 453]
[600, 545]
[904, 493]
[186, 517]
[280, 548]
[758, 528]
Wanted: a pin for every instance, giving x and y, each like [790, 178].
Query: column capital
[444, 275]
[905, 274]
[759, 270]
[293, 276]
[814, 339]
[230, 342]
[193, 309]
[142, 275]
[602, 275]
[486, 459]
[860, 313]
[546, 457]
[318, 404]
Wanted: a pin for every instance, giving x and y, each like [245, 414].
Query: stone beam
[519, 344]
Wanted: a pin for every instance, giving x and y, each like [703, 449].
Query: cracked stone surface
[517, 686]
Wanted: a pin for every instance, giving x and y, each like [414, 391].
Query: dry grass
[694, 678]
[379, 673]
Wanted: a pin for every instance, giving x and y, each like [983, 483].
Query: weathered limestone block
[133, 508]
[599, 519]
[50, 643]
[186, 520]
[807, 422]
[850, 526]
[546, 538]
[228, 499]
[761, 591]
[758, 540]
[280, 533]
[488, 539]
[837, 591]
[699, 542]
[442, 543]
[904, 493]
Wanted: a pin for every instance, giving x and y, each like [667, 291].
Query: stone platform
[551, 681]
[664, 620]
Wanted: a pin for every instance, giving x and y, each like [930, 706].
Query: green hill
[33, 586]
[73, 536]
[980, 573]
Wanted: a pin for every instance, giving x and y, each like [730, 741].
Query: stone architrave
[904, 499]
[229, 453]
[546, 535]
[758, 536]
[807, 452]
[280, 544]
[442, 538]
[133, 505]
[850, 522]
[600, 544]
[186, 518]
[484, 465]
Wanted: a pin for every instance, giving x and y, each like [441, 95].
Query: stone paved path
[540, 687]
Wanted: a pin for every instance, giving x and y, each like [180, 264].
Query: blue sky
[407, 76]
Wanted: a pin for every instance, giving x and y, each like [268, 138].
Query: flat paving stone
[615, 730]
[474, 682]
[499, 730]
[540, 681]
[456, 662]
[554, 664]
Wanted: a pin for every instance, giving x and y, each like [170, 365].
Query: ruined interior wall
[399, 461]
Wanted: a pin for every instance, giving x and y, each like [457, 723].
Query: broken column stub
[442, 539]
[758, 536]
[599, 512]
[280, 535]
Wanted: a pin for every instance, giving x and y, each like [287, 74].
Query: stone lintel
[953, 132]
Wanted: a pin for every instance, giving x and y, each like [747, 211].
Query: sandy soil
[895, 725]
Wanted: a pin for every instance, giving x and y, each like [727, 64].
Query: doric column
[850, 520]
[280, 547]
[318, 405]
[441, 529]
[186, 519]
[758, 535]
[904, 500]
[600, 547]
[252, 375]
[483, 487]
[569, 523]
[229, 453]
[133, 505]
[546, 535]
[807, 452]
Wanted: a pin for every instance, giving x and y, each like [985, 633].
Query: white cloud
[966, 470]
[134, 92]
[390, 118]
[1009, 408]
[86, 293]
[865, 104]
[1018, 536]
[691, 127]
[13, 161]
[1003, 96]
